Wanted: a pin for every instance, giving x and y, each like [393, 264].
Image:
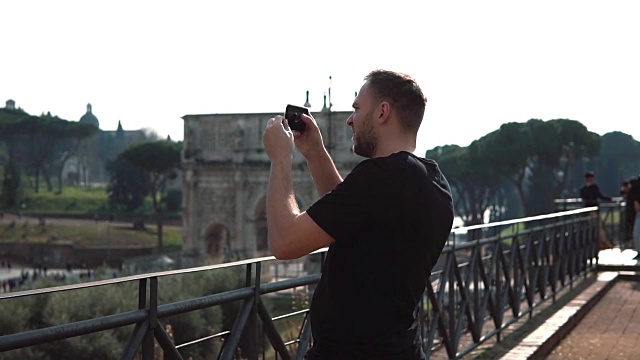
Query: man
[633, 200]
[385, 224]
[590, 192]
[630, 211]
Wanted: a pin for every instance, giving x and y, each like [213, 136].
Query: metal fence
[615, 224]
[487, 277]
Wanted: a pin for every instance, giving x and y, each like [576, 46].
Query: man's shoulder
[402, 160]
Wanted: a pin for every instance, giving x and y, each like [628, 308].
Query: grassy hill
[64, 220]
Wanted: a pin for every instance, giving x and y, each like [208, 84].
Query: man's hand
[309, 142]
[278, 139]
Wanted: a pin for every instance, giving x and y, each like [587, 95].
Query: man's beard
[365, 140]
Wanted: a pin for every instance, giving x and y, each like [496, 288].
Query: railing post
[148, 344]
[250, 330]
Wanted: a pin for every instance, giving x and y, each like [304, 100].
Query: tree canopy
[535, 159]
[159, 160]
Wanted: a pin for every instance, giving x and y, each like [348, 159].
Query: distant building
[89, 165]
[10, 105]
[225, 175]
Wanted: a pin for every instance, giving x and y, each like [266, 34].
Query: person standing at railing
[591, 196]
[629, 210]
[590, 192]
[633, 200]
[385, 223]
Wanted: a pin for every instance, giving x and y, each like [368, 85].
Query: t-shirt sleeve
[351, 206]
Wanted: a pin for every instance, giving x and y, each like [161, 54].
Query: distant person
[629, 210]
[590, 192]
[591, 195]
[385, 223]
[633, 198]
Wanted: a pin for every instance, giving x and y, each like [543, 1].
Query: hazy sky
[480, 63]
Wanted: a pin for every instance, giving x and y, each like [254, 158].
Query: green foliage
[75, 200]
[173, 200]
[472, 177]
[70, 306]
[160, 161]
[10, 186]
[537, 158]
[618, 160]
[128, 186]
[40, 145]
[155, 157]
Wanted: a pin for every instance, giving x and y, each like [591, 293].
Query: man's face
[364, 137]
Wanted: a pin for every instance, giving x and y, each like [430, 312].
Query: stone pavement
[601, 323]
[611, 330]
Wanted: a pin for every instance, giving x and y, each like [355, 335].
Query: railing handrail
[130, 278]
[502, 275]
[524, 220]
[614, 199]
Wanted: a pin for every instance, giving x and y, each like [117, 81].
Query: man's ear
[384, 112]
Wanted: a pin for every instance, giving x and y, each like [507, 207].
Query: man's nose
[350, 120]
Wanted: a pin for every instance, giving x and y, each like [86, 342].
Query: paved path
[610, 331]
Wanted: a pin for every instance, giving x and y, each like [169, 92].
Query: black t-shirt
[634, 192]
[590, 194]
[390, 219]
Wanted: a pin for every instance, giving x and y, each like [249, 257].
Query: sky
[480, 63]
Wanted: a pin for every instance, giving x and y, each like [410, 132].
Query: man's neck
[391, 147]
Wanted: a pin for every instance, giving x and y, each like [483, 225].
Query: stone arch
[260, 216]
[260, 221]
[216, 240]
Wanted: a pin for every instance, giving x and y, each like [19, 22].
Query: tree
[471, 177]
[38, 138]
[619, 159]
[537, 157]
[41, 144]
[10, 185]
[70, 137]
[160, 161]
[510, 149]
[127, 186]
[11, 137]
[557, 146]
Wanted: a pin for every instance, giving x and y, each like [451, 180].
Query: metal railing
[613, 217]
[487, 277]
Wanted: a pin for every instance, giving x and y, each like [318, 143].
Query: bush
[41, 311]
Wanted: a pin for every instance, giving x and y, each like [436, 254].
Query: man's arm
[601, 195]
[291, 234]
[323, 170]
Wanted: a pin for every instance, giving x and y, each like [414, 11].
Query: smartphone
[293, 114]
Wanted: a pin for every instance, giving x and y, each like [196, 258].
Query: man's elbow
[283, 254]
[281, 250]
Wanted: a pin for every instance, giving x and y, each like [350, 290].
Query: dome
[89, 118]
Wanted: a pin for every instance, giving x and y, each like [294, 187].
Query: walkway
[601, 323]
[611, 330]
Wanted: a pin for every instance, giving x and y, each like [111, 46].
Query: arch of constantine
[226, 171]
